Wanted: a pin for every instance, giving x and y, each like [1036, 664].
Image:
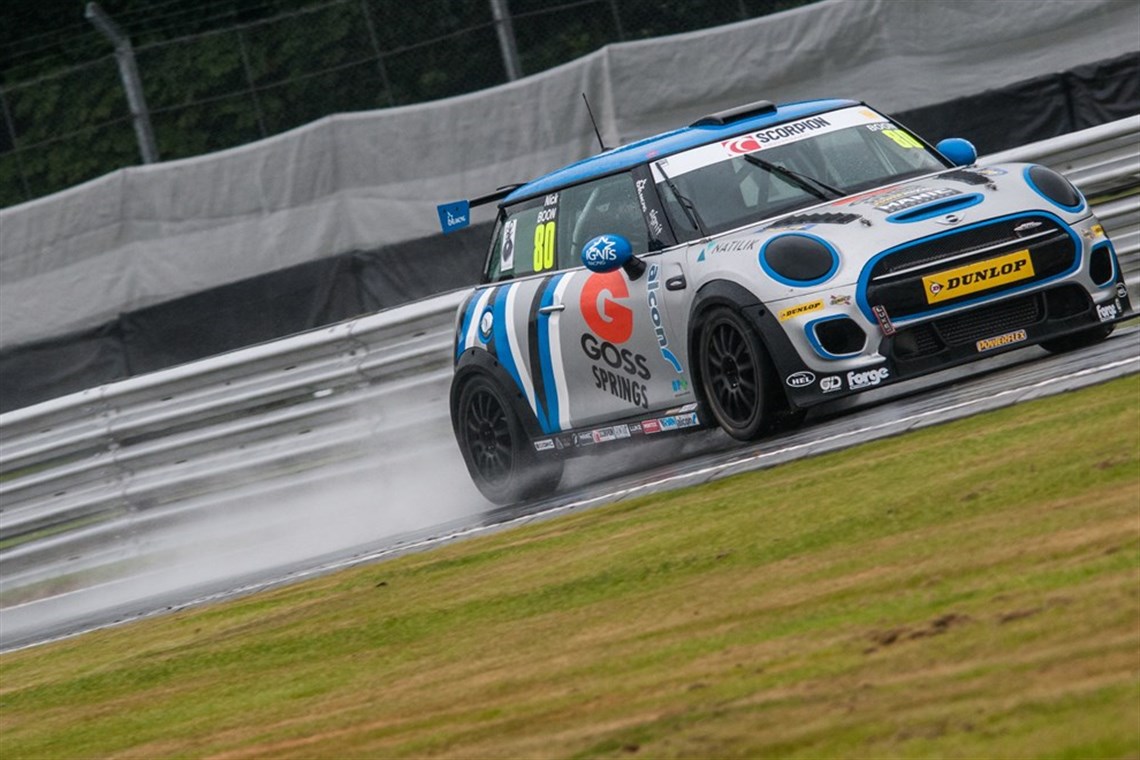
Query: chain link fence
[223, 88]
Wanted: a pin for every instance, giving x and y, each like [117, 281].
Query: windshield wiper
[802, 181]
[686, 204]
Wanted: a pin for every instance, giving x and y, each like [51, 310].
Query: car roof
[665, 144]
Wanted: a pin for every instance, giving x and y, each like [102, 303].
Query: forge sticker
[981, 275]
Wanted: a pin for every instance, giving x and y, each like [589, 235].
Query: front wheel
[495, 447]
[736, 374]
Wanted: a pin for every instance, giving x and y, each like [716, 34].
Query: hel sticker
[800, 379]
[546, 444]
[982, 275]
[799, 309]
[989, 344]
[454, 216]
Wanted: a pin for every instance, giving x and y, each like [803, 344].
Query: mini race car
[742, 269]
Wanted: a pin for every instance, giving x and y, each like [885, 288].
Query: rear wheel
[736, 374]
[1082, 339]
[496, 449]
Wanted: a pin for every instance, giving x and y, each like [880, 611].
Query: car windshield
[755, 176]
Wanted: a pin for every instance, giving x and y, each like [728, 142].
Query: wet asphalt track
[697, 458]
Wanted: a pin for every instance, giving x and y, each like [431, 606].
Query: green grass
[970, 590]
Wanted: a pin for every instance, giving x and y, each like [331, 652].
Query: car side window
[548, 232]
[605, 206]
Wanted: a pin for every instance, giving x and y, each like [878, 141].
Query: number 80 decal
[544, 246]
[544, 234]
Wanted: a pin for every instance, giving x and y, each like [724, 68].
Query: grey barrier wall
[95, 478]
[335, 288]
[355, 181]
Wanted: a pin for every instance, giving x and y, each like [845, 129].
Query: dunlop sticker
[799, 310]
[1001, 340]
[982, 275]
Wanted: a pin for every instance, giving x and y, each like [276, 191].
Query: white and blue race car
[751, 265]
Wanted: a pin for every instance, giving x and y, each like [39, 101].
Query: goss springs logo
[867, 378]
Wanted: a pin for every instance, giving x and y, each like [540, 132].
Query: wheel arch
[784, 356]
[474, 362]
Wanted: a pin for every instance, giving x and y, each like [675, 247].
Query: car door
[614, 331]
[582, 347]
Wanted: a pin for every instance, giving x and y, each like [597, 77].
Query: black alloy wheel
[487, 433]
[495, 447]
[736, 374]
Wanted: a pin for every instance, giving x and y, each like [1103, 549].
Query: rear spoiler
[457, 214]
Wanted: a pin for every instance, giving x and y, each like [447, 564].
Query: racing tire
[736, 374]
[497, 452]
[1082, 339]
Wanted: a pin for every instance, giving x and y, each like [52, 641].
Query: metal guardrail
[98, 477]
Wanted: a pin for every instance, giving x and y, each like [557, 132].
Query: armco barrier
[96, 477]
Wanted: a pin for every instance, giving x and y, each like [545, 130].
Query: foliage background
[221, 73]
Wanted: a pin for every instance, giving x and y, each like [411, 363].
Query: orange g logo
[605, 316]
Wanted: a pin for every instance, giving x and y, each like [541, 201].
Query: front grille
[896, 279]
[969, 327]
[988, 321]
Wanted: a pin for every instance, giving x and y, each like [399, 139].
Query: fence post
[15, 146]
[129, 72]
[506, 31]
[376, 49]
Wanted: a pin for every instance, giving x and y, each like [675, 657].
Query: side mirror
[960, 152]
[605, 253]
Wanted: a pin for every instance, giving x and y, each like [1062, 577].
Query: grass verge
[962, 591]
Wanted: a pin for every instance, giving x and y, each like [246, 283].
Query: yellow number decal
[544, 246]
[902, 139]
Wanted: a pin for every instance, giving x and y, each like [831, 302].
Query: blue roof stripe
[666, 144]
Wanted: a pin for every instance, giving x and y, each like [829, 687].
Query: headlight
[799, 260]
[1054, 188]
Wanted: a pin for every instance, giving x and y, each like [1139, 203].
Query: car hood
[860, 227]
